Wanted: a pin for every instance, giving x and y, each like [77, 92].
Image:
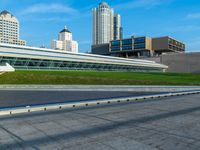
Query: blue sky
[41, 20]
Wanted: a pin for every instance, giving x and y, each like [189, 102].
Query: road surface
[162, 124]
[9, 98]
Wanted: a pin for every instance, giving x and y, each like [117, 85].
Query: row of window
[7, 21]
[16, 43]
[23, 62]
[78, 56]
[174, 42]
[124, 42]
[8, 25]
[175, 48]
[127, 47]
[9, 28]
[139, 40]
[139, 46]
[128, 41]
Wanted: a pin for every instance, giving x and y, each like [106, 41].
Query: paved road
[11, 98]
[164, 124]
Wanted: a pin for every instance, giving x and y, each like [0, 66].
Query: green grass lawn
[98, 78]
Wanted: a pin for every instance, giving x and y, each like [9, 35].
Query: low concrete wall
[183, 63]
[180, 63]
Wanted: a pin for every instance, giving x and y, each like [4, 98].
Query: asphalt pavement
[17, 98]
[171, 123]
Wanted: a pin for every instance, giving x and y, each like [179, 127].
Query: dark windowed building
[138, 47]
[132, 47]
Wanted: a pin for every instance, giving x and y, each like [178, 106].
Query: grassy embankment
[98, 78]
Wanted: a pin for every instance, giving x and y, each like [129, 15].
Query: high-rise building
[121, 33]
[106, 24]
[103, 20]
[117, 27]
[9, 29]
[65, 42]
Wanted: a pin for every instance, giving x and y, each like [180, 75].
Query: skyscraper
[9, 29]
[65, 42]
[117, 27]
[103, 24]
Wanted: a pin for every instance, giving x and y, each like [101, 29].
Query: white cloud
[50, 8]
[139, 3]
[193, 16]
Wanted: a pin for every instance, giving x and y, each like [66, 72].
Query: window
[139, 40]
[115, 48]
[127, 42]
[115, 43]
[139, 46]
[127, 47]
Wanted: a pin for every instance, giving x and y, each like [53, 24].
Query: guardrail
[59, 106]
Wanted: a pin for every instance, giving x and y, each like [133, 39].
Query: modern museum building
[32, 58]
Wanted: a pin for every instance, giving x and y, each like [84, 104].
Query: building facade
[117, 27]
[167, 44]
[101, 49]
[106, 24]
[32, 58]
[65, 42]
[131, 47]
[9, 29]
[103, 24]
[137, 47]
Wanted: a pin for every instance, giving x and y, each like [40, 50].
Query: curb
[97, 88]
[60, 106]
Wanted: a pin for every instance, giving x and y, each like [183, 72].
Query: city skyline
[177, 18]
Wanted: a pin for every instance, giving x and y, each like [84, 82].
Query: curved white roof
[49, 54]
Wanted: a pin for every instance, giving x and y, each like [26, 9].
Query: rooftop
[104, 4]
[65, 30]
[5, 12]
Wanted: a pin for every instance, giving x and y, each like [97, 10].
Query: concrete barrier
[59, 106]
[121, 88]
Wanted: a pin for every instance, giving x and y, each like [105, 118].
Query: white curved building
[25, 58]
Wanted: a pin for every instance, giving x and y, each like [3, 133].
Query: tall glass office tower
[117, 27]
[103, 24]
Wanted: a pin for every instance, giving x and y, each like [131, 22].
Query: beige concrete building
[9, 29]
[65, 42]
[167, 44]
